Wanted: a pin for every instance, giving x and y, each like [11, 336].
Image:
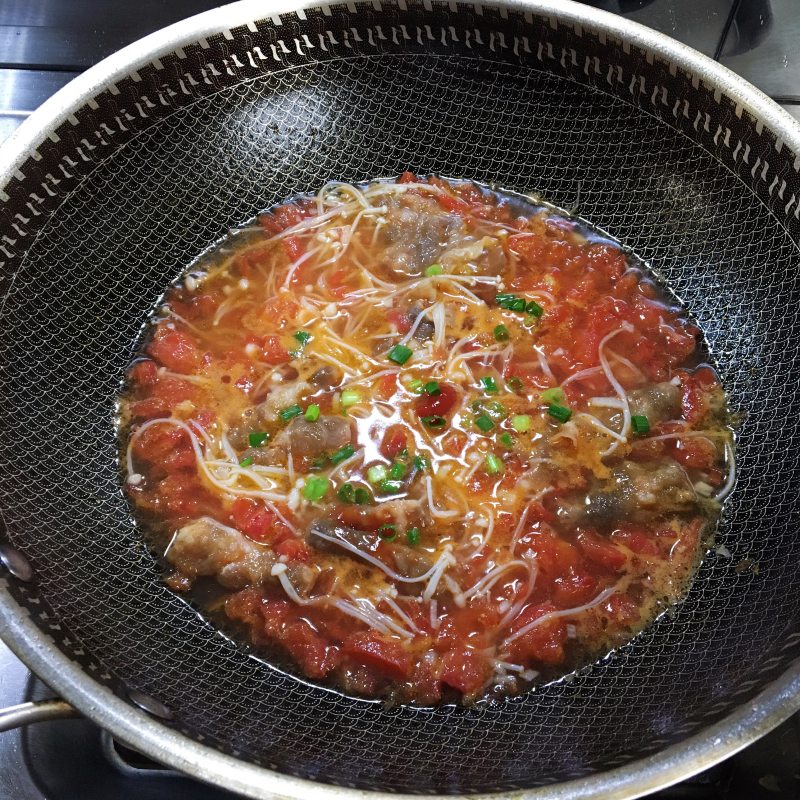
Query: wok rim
[776, 703]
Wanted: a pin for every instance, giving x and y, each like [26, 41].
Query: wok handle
[27, 713]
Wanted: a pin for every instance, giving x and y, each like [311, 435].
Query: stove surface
[46, 43]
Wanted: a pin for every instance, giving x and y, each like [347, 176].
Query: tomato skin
[464, 669]
[394, 441]
[175, 350]
[428, 405]
[388, 658]
[601, 551]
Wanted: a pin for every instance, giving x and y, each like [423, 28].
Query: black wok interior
[523, 104]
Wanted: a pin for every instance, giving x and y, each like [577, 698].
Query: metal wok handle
[27, 713]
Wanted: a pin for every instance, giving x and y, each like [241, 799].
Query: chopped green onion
[316, 488]
[640, 424]
[489, 385]
[517, 305]
[433, 269]
[416, 385]
[422, 462]
[319, 462]
[434, 421]
[533, 308]
[350, 397]
[290, 412]
[388, 532]
[506, 440]
[257, 439]
[561, 413]
[501, 333]
[304, 337]
[397, 471]
[391, 487]
[504, 299]
[246, 462]
[432, 387]
[342, 454]
[400, 354]
[412, 536]
[377, 474]
[494, 465]
[521, 422]
[515, 384]
[312, 413]
[553, 396]
[363, 496]
[484, 423]
[346, 493]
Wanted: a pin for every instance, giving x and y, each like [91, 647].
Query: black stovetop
[43, 45]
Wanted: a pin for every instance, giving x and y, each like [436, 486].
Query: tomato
[143, 373]
[408, 177]
[294, 549]
[165, 394]
[274, 352]
[389, 658]
[697, 386]
[395, 440]
[574, 588]
[256, 521]
[175, 350]
[464, 669]
[315, 655]
[695, 452]
[293, 247]
[601, 551]
[402, 322]
[544, 642]
[387, 386]
[428, 405]
[285, 216]
[636, 539]
[273, 614]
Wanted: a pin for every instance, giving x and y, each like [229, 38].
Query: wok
[138, 165]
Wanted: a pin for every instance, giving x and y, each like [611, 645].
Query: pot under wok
[123, 177]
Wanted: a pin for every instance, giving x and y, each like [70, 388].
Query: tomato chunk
[464, 669]
[428, 405]
[175, 350]
[388, 658]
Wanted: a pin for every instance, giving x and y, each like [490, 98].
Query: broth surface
[425, 441]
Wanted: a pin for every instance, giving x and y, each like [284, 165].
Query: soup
[425, 441]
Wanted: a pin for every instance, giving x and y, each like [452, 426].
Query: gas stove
[43, 45]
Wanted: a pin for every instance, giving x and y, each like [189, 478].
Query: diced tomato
[402, 322]
[165, 394]
[623, 609]
[387, 386]
[394, 441]
[464, 669]
[256, 520]
[389, 658]
[273, 614]
[601, 551]
[315, 655]
[274, 352]
[280, 311]
[574, 588]
[695, 452]
[697, 387]
[293, 247]
[427, 405]
[408, 177]
[285, 216]
[294, 549]
[143, 373]
[636, 539]
[543, 642]
[175, 350]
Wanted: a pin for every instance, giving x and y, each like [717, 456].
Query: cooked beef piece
[254, 419]
[426, 329]
[416, 233]
[326, 377]
[657, 402]
[410, 563]
[205, 547]
[266, 456]
[312, 439]
[634, 492]
[364, 540]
